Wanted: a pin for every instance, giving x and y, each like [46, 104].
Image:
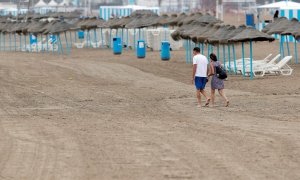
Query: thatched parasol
[180, 18]
[210, 30]
[251, 34]
[294, 26]
[230, 34]
[190, 19]
[271, 25]
[162, 20]
[59, 27]
[142, 13]
[37, 27]
[220, 34]
[208, 19]
[172, 20]
[279, 27]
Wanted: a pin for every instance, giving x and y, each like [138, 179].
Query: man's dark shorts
[200, 82]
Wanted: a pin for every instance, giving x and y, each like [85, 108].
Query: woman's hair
[213, 57]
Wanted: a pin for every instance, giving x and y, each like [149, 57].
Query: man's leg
[205, 95]
[198, 97]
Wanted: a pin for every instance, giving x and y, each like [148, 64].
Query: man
[200, 72]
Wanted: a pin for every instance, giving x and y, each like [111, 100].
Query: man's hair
[196, 49]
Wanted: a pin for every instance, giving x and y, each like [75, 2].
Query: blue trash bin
[33, 39]
[141, 49]
[250, 20]
[80, 34]
[117, 45]
[165, 51]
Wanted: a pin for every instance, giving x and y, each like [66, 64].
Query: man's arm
[194, 72]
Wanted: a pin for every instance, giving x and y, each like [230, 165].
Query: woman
[216, 83]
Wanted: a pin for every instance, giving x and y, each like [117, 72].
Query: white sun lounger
[281, 67]
[79, 45]
[239, 62]
[258, 63]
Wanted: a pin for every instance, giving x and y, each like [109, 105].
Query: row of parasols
[197, 29]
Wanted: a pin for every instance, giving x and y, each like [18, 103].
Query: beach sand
[94, 115]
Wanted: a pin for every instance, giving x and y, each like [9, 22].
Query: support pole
[224, 57]
[9, 41]
[70, 33]
[229, 61]
[67, 45]
[4, 42]
[218, 51]
[47, 41]
[25, 41]
[139, 34]
[127, 40]
[186, 51]
[110, 46]
[122, 37]
[243, 59]
[37, 42]
[102, 40]
[208, 50]
[134, 34]
[42, 43]
[96, 38]
[296, 51]
[234, 59]
[282, 47]
[190, 51]
[287, 45]
[20, 39]
[15, 41]
[251, 58]
[0, 40]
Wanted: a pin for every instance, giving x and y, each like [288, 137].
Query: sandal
[207, 102]
[227, 104]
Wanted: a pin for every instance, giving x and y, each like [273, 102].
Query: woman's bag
[221, 73]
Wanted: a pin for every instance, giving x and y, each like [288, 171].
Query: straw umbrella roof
[181, 17]
[192, 30]
[142, 12]
[122, 22]
[163, 20]
[251, 34]
[7, 27]
[19, 27]
[190, 19]
[210, 30]
[224, 39]
[294, 26]
[110, 22]
[37, 27]
[176, 35]
[280, 27]
[271, 25]
[141, 22]
[220, 33]
[207, 18]
[89, 24]
[59, 27]
[172, 20]
[297, 35]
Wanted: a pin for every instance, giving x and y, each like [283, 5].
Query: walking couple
[202, 70]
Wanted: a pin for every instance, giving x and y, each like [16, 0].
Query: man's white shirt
[202, 63]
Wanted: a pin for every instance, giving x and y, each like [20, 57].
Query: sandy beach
[94, 115]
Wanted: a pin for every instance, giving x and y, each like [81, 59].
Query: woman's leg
[212, 97]
[221, 92]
